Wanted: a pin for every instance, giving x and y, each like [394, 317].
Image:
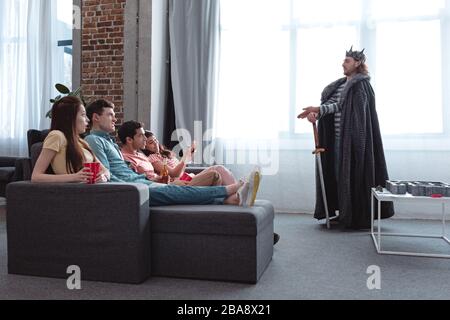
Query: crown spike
[357, 55]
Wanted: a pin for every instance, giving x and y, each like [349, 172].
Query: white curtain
[278, 55]
[30, 64]
[160, 57]
[194, 38]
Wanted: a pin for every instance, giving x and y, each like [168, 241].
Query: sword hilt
[316, 140]
[318, 150]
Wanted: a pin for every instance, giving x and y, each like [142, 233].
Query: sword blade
[322, 185]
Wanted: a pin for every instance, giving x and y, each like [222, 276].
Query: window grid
[368, 41]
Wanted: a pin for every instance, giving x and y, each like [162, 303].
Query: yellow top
[56, 141]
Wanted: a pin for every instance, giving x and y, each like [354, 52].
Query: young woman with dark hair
[158, 153]
[132, 136]
[63, 148]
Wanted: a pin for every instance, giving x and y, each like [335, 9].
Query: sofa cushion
[6, 173]
[35, 136]
[212, 219]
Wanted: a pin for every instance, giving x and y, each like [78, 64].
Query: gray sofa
[112, 234]
[7, 166]
[103, 229]
[8, 172]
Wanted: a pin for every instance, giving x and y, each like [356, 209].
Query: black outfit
[362, 164]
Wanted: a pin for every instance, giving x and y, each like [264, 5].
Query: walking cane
[318, 153]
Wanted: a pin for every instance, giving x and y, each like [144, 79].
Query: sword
[318, 153]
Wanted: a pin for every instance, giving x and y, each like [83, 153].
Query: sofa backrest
[35, 152]
[35, 136]
[35, 142]
[34, 155]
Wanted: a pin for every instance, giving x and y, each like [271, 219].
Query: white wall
[293, 188]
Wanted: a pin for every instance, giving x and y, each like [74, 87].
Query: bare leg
[206, 178]
[233, 188]
[232, 200]
[181, 183]
[227, 176]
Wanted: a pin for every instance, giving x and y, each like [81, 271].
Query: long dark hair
[64, 116]
[163, 150]
[363, 69]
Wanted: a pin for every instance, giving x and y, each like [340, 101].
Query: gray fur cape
[362, 166]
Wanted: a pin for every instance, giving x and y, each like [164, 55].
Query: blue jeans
[166, 195]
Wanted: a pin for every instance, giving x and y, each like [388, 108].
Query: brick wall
[102, 51]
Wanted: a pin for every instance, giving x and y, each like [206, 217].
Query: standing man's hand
[308, 111]
[312, 117]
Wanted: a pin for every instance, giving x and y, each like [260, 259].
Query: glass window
[254, 72]
[395, 9]
[328, 11]
[64, 9]
[278, 55]
[408, 77]
[320, 56]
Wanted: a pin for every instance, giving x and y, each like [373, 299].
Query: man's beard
[349, 73]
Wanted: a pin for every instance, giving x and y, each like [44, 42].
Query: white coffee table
[387, 196]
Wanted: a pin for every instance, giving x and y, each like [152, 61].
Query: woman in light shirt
[64, 150]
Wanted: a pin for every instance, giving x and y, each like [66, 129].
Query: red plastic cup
[93, 167]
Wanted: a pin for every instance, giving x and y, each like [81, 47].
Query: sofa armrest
[103, 228]
[23, 169]
[194, 170]
[68, 193]
[99, 200]
[7, 161]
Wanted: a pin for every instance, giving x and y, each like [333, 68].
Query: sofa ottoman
[211, 242]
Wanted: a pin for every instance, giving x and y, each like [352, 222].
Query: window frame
[432, 141]
[291, 140]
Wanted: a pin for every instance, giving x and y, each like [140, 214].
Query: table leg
[371, 212]
[444, 233]
[379, 224]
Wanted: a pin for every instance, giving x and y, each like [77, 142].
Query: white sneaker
[254, 181]
[243, 194]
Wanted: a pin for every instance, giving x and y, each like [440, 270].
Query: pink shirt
[171, 163]
[140, 163]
